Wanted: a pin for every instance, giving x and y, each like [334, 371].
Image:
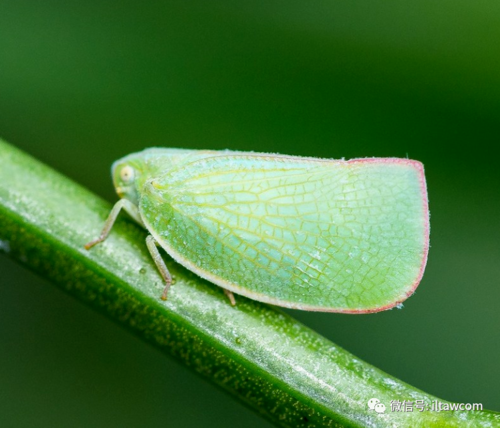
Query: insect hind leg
[230, 296]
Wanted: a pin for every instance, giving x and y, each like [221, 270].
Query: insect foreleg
[160, 264]
[110, 221]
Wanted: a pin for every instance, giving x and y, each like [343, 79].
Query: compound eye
[127, 174]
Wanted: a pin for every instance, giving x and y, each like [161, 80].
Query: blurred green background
[83, 83]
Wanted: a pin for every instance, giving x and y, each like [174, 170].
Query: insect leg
[160, 264]
[122, 203]
[230, 296]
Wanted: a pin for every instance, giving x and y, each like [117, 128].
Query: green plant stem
[283, 370]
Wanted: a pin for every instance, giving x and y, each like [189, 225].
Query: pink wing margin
[425, 202]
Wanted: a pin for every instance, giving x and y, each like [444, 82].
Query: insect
[304, 233]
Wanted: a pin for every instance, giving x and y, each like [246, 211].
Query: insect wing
[305, 233]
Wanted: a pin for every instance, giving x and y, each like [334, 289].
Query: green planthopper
[299, 232]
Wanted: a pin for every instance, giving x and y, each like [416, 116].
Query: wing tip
[419, 167]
